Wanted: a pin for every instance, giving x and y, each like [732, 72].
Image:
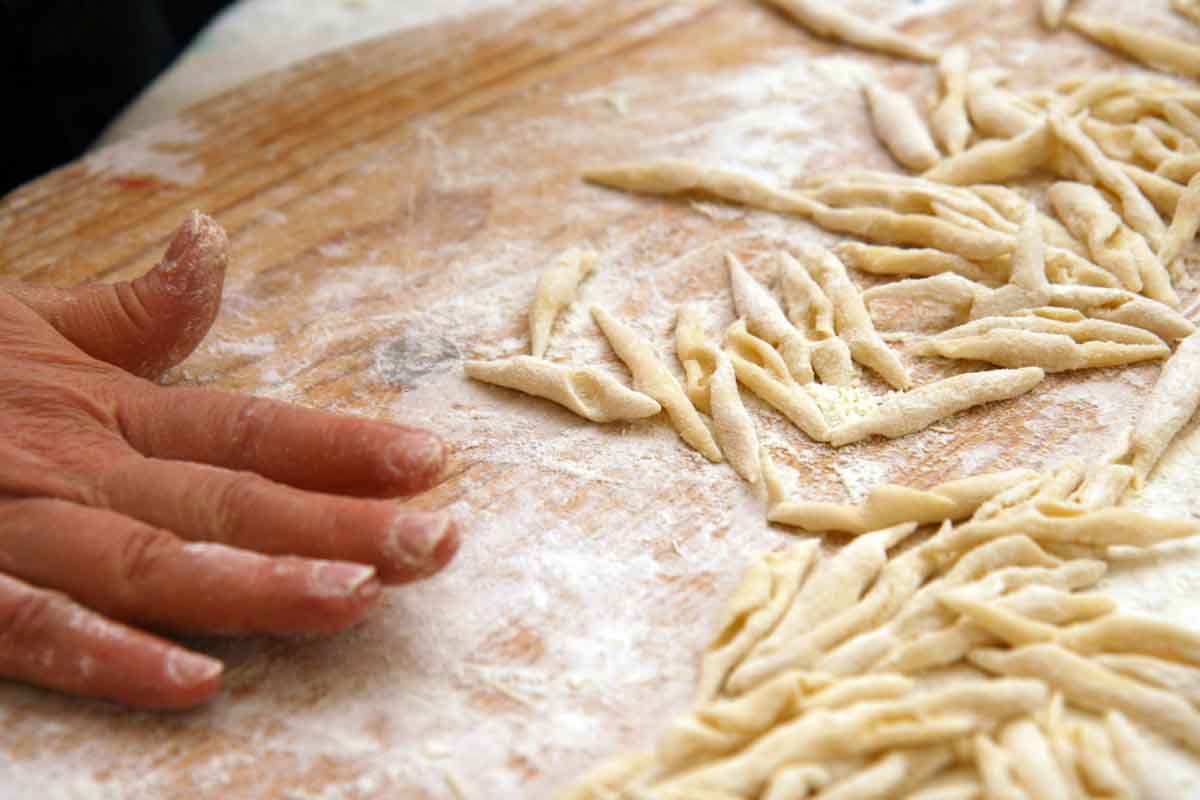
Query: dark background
[72, 65]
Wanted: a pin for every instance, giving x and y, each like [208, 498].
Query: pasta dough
[826, 18]
[1047, 341]
[949, 117]
[1184, 224]
[890, 505]
[765, 319]
[1156, 50]
[556, 290]
[853, 323]
[908, 412]
[900, 128]
[590, 393]
[650, 375]
[712, 387]
[1173, 401]
[812, 312]
[761, 370]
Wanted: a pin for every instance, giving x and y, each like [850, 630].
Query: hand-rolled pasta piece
[1095, 688]
[1181, 117]
[835, 585]
[1179, 679]
[1104, 486]
[766, 320]
[678, 176]
[1039, 340]
[1009, 562]
[1117, 305]
[1172, 402]
[1184, 224]
[761, 599]
[1098, 762]
[997, 160]
[712, 387]
[761, 370]
[1057, 522]
[884, 226]
[651, 376]
[899, 578]
[900, 128]
[996, 771]
[830, 20]
[932, 717]
[812, 312]
[889, 505]
[949, 117]
[1113, 246]
[908, 412]
[996, 112]
[1137, 760]
[591, 393]
[1180, 168]
[1138, 212]
[1065, 266]
[945, 646]
[1033, 761]
[1162, 193]
[853, 323]
[906, 195]
[890, 775]
[556, 290]
[1153, 49]
[883, 260]
[718, 727]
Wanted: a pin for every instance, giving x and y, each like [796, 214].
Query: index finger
[290, 444]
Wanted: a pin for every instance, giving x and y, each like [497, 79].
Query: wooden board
[390, 206]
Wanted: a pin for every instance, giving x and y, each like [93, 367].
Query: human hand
[125, 503]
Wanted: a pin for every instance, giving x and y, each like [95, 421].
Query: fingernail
[343, 580]
[191, 669]
[416, 455]
[415, 537]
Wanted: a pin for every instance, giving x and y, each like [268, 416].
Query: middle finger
[242, 509]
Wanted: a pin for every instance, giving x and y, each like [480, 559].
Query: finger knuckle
[142, 554]
[234, 502]
[253, 417]
[32, 615]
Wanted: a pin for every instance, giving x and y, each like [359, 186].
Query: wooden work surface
[390, 207]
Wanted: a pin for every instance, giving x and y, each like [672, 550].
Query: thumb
[150, 324]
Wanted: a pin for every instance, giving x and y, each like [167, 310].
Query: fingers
[49, 641]
[244, 510]
[131, 571]
[298, 446]
[150, 324]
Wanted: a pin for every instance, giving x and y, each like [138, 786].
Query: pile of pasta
[954, 649]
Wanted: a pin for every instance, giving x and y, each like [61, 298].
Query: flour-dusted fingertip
[419, 543]
[191, 670]
[416, 460]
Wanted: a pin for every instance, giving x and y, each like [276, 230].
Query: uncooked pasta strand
[908, 412]
[853, 322]
[1158, 51]
[949, 118]
[766, 320]
[997, 161]
[677, 176]
[1172, 402]
[650, 375]
[900, 128]
[829, 19]
[1184, 224]
[556, 289]
[590, 393]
